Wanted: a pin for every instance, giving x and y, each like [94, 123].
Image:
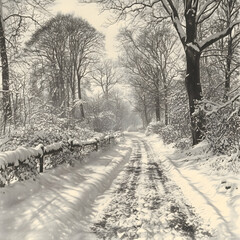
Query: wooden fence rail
[22, 154]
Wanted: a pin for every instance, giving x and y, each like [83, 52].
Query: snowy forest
[134, 135]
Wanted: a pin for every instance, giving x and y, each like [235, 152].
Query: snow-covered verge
[23, 163]
[53, 206]
[211, 187]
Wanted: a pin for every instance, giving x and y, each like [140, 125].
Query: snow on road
[143, 203]
[136, 190]
[53, 206]
[215, 196]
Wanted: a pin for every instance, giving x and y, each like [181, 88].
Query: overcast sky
[91, 12]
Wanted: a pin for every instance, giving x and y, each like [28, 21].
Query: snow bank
[216, 198]
[54, 206]
[21, 154]
[53, 147]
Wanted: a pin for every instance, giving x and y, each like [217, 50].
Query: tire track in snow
[145, 204]
[123, 205]
[175, 215]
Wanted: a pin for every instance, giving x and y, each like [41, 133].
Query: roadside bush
[223, 127]
[183, 143]
[154, 127]
[168, 133]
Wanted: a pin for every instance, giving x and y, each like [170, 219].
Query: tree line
[181, 59]
[209, 34]
[49, 75]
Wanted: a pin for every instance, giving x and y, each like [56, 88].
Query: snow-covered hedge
[223, 125]
[168, 133]
[21, 154]
[154, 127]
[19, 165]
[23, 163]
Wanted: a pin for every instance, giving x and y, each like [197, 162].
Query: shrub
[154, 127]
[223, 126]
[168, 133]
[183, 143]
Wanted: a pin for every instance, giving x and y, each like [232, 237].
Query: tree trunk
[192, 79]
[145, 112]
[80, 96]
[228, 67]
[157, 107]
[62, 90]
[166, 105]
[7, 113]
[194, 91]
[165, 96]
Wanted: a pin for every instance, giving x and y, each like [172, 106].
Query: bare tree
[150, 60]
[13, 22]
[105, 77]
[85, 43]
[65, 47]
[5, 71]
[228, 58]
[186, 16]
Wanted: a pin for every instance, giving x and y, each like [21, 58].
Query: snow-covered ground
[53, 206]
[139, 189]
[214, 194]
[143, 203]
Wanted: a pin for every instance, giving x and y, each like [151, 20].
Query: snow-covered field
[139, 189]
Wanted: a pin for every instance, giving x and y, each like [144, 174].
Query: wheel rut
[145, 204]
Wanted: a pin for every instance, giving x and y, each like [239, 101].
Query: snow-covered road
[143, 203]
[126, 192]
[53, 206]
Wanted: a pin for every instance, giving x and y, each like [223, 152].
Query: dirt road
[143, 203]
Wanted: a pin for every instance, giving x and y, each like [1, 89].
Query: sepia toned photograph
[119, 120]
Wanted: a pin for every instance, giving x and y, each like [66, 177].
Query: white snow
[52, 206]
[193, 46]
[56, 205]
[53, 147]
[205, 189]
[20, 154]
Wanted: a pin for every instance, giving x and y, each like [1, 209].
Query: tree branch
[21, 16]
[217, 36]
[175, 19]
[204, 8]
[212, 10]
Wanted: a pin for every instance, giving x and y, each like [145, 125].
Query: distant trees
[104, 75]
[150, 60]
[108, 110]
[15, 18]
[108, 114]
[65, 48]
[186, 18]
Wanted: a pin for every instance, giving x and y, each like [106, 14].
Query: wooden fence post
[41, 160]
[96, 145]
[41, 164]
[71, 146]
